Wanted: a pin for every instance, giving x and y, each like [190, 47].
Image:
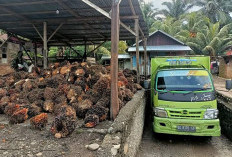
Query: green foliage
[149, 13]
[197, 31]
[53, 52]
[176, 8]
[216, 10]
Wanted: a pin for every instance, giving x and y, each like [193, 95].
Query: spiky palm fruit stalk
[65, 122]
[80, 82]
[104, 101]
[91, 121]
[48, 106]
[3, 92]
[131, 87]
[14, 97]
[80, 72]
[100, 111]
[82, 107]
[55, 71]
[2, 107]
[40, 121]
[102, 84]
[11, 108]
[19, 116]
[128, 95]
[33, 110]
[93, 95]
[35, 95]
[10, 81]
[29, 85]
[50, 93]
[64, 70]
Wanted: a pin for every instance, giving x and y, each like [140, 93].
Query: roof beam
[37, 31]
[63, 10]
[28, 3]
[55, 31]
[13, 13]
[70, 10]
[66, 20]
[134, 13]
[107, 14]
[97, 47]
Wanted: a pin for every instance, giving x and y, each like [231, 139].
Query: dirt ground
[22, 141]
[162, 145]
[5, 69]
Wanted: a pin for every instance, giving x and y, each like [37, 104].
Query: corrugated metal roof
[74, 30]
[172, 48]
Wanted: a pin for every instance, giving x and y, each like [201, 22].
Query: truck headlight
[211, 114]
[160, 112]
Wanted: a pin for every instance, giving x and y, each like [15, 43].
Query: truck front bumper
[203, 127]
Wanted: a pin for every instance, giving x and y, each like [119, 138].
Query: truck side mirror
[229, 84]
[147, 84]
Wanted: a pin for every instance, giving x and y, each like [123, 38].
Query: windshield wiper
[166, 91]
[202, 89]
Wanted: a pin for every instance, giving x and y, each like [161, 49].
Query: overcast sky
[158, 4]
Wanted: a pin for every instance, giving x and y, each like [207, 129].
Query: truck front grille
[188, 113]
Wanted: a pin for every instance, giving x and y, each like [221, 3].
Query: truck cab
[183, 96]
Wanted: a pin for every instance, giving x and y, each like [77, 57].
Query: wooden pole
[131, 60]
[114, 59]
[45, 44]
[145, 57]
[85, 53]
[137, 49]
[35, 54]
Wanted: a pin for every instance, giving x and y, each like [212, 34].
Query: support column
[137, 49]
[85, 53]
[35, 47]
[145, 57]
[45, 52]
[114, 59]
[131, 60]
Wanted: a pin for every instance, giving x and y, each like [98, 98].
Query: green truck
[183, 96]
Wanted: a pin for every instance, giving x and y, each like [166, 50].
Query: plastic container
[229, 84]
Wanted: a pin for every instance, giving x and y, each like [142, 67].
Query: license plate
[186, 128]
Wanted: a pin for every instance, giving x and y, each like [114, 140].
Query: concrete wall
[127, 129]
[225, 114]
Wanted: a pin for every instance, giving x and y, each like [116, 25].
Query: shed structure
[76, 22]
[159, 43]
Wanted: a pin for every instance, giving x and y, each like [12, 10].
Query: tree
[149, 13]
[216, 10]
[192, 23]
[176, 8]
[168, 25]
[213, 40]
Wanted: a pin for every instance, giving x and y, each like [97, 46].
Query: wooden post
[85, 53]
[137, 49]
[131, 60]
[35, 54]
[145, 57]
[114, 59]
[45, 44]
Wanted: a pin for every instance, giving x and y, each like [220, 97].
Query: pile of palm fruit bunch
[68, 91]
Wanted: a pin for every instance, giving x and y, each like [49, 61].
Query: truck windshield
[183, 80]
